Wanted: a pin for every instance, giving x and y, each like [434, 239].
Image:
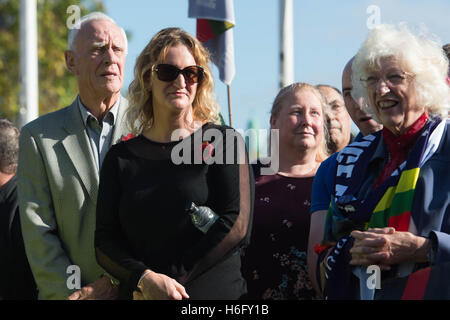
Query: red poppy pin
[128, 137]
[319, 248]
[207, 150]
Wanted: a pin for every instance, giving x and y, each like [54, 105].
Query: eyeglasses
[393, 79]
[168, 73]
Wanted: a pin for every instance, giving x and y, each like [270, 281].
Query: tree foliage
[57, 86]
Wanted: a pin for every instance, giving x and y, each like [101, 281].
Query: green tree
[57, 86]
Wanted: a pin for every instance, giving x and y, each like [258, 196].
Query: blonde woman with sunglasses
[146, 236]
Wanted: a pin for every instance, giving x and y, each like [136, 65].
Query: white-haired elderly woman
[391, 205]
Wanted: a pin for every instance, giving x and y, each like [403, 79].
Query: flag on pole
[215, 22]
[286, 43]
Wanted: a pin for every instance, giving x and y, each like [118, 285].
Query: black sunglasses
[168, 72]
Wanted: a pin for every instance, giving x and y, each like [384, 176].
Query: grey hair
[446, 49]
[73, 32]
[420, 54]
[318, 86]
[9, 147]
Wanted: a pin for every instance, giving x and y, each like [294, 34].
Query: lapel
[78, 148]
[120, 126]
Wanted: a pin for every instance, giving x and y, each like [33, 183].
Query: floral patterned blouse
[274, 264]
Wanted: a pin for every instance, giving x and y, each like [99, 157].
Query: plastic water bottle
[202, 217]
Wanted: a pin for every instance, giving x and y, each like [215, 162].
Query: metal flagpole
[286, 43]
[229, 104]
[28, 62]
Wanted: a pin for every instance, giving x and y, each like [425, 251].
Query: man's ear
[272, 121]
[70, 61]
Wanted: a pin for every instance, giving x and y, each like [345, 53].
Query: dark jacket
[16, 279]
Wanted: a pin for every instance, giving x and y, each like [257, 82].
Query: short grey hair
[420, 54]
[89, 17]
[446, 49]
[318, 86]
[9, 147]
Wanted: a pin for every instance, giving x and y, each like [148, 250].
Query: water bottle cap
[191, 207]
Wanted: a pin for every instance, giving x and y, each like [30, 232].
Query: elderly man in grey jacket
[60, 157]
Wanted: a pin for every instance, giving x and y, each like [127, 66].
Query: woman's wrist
[421, 254]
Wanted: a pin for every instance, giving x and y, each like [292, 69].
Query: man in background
[339, 121]
[446, 49]
[324, 179]
[16, 279]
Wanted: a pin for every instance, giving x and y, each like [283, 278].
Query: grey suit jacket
[57, 190]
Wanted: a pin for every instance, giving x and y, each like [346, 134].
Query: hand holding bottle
[202, 217]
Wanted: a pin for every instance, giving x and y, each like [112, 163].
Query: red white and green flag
[215, 22]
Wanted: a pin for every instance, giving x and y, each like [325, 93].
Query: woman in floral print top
[274, 264]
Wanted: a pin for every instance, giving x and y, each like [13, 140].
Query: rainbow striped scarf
[356, 206]
[394, 208]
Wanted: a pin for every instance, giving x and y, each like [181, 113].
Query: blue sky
[327, 33]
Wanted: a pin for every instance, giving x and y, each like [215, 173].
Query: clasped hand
[100, 289]
[386, 246]
[157, 286]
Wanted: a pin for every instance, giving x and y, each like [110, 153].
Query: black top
[16, 279]
[141, 218]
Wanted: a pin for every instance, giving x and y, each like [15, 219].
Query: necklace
[288, 174]
[310, 170]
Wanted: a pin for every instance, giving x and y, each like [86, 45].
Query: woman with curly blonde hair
[141, 112]
[149, 234]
